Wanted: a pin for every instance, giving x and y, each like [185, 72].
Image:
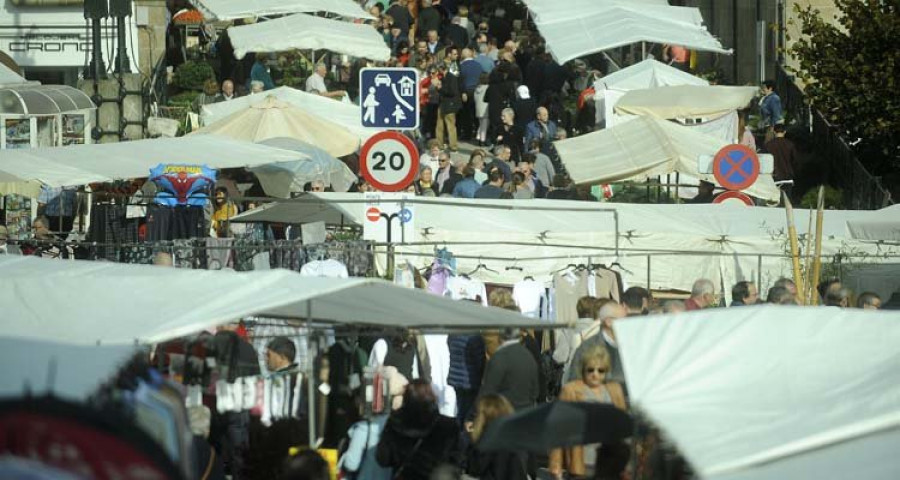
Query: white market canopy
[771, 392]
[77, 370]
[547, 11]
[87, 303]
[686, 101]
[106, 162]
[342, 113]
[309, 33]
[286, 178]
[649, 73]
[616, 24]
[643, 148]
[233, 9]
[539, 236]
[274, 118]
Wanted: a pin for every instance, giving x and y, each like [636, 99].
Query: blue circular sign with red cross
[736, 167]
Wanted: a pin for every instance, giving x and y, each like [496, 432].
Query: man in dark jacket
[512, 372]
[451, 103]
[456, 34]
[429, 19]
[494, 188]
[402, 18]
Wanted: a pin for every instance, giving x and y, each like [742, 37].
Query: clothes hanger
[481, 266]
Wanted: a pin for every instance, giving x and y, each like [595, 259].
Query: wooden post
[817, 256]
[795, 254]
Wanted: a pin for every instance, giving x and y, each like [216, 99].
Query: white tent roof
[681, 101]
[543, 236]
[308, 32]
[642, 148]
[345, 114]
[283, 179]
[547, 11]
[232, 9]
[771, 392]
[82, 164]
[648, 74]
[274, 118]
[82, 302]
[77, 370]
[619, 25]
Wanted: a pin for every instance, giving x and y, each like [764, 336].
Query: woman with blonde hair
[590, 386]
[492, 465]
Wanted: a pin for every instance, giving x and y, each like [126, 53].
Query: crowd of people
[499, 372]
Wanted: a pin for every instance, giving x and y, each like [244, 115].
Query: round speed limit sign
[389, 161]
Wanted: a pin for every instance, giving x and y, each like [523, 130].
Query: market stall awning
[538, 237]
[309, 33]
[771, 392]
[620, 25]
[548, 11]
[287, 178]
[73, 372]
[686, 101]
[32, 99]
[643, 148]
[648, 74]
[234, 9]
[83, 164]
[344, 114]
[274, 118]
[82, 302]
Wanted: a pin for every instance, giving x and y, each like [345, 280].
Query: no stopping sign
[389, 161]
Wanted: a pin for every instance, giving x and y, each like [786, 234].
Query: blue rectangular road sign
[389, 98]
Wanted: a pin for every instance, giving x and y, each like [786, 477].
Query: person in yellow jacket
[225, 209]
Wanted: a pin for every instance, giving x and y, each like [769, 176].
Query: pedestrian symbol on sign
[390, 98]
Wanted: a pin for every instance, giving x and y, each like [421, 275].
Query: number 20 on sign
[389, 161]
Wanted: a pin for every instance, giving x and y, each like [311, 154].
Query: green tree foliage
[192, 74]
[851, 69]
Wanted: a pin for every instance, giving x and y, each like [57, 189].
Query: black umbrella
[557, 424]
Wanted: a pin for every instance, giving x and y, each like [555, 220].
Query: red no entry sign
[389, 161]
[373, 214]
[736, 167]
[733, 198]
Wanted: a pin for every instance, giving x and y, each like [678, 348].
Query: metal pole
[734, 40]
[759, 273]
[648, 271]
[98, 70]
[310, 379]
[122, 64]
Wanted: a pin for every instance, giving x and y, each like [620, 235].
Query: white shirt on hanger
[325, 268]
[531, 297]
[462, 288]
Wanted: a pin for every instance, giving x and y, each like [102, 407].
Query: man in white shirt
[316, 83]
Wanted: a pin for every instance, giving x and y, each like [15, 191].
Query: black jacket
[513, 373]
[414, 451]
[451, 100]
[495, 465]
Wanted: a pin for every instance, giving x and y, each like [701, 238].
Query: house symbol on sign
[406, 86]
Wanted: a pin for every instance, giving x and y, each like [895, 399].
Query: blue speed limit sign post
[389, 98]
